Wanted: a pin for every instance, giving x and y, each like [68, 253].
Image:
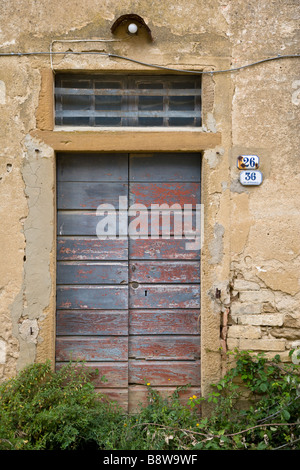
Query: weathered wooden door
[128, 305]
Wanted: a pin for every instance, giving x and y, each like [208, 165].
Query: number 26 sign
[248, 162]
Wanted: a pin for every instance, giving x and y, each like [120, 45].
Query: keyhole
[146, 293]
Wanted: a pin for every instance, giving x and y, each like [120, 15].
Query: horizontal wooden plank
[103, 348]
[83, 223]
[114, 140]
[154, 223]
[174, 249]
[164, 296]
[92, 322]
[106, 374]
[164, 347]
[138, 395]
[89, 195]
[115, 395]
[115, 223]
[91, 272]
[164, 322]
[164, 373]
[170, 167]
[94, 297]
[92, 167]
[92, 249]
[115, 374]
[164, 271]
[164, 193]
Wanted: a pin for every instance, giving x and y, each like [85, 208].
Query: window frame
[128, 111]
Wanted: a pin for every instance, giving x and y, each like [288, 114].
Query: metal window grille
[118, 100]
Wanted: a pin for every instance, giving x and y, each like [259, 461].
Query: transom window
[130, 100]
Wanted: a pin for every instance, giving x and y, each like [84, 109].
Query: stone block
[288, 333]
[292, 321]
[242, 285]
[233, 343]
[257, 296]
[242, 331]
[238, 308]
[262, 320]
[263, 344]
[2, 352]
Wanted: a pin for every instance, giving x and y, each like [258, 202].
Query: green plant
[271, 419]
[43, 409]
[164, 424]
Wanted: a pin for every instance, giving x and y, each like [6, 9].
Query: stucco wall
[251, 242]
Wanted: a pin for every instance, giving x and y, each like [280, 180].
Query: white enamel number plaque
[250, 178]
[248, 162]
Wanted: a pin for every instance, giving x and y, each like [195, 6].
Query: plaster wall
[250, 257]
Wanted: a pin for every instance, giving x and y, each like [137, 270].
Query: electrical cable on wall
[117, 56]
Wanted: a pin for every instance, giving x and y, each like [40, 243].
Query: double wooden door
[128, 303]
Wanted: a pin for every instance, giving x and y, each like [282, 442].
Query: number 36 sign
[249, 177]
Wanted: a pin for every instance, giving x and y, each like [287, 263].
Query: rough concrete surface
[252, 234]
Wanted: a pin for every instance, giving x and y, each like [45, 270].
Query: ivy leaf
[263, 387]
[286, 415]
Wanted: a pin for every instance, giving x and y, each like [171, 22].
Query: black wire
[206, 71]
[20, 54]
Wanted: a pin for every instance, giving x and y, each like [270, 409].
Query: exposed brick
[262, 320]
[242, 285]
[263, 344]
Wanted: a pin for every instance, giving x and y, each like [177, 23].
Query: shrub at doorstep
[42, 409]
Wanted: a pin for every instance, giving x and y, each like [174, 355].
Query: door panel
[98, 297]
[130, 306]
[92, 274]
[165, 271]
[168, 249]
[181, 348]
[83, 223]
[92, 323]
[92, 167]
[164, 373]
[162, 193]
[164, 167]
[167, 322]
[164, 277]
[165, 296]
[91, 248]
[102, 348]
